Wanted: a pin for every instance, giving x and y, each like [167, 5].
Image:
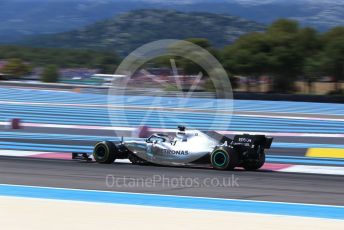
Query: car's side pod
[248, 140]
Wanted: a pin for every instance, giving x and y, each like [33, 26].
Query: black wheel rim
[220, 159]
[100, 151]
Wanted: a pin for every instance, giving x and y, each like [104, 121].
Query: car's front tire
[224, 158]
[104, 152]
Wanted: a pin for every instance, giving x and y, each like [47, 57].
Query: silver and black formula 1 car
[187, 148]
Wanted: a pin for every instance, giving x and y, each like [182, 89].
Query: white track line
[17, 153]
[312, 169]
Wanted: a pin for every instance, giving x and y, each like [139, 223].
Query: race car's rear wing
[245, 140]
[248, 140]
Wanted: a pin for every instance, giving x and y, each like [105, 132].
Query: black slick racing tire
[253, 165]
[224, 158]
[104, 152]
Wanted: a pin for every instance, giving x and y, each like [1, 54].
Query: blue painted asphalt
[240, 105]
[171, 120]
[260, 207]
[102, 113]
[74, 115]
[98, 116]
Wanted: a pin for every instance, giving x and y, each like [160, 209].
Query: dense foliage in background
[50, 74]
[63, 58]
[287, 52]
[16, 67]
[187, 66]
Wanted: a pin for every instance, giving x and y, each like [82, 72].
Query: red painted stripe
[59, 156]
[275, 167]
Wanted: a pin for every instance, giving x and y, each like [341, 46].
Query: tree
[334, 33]
[333, 55]
[285, 57]
[313, 69]
[202, 42]
[50, 74]
[16, 67]
[63, 58]
[309, 43]
[329, 60]
[189, 66]
[247, 56]
[280, 52]
[286, 26]
[289, 47]
[334, 61]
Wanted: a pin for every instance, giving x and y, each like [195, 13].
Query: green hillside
[128, 31]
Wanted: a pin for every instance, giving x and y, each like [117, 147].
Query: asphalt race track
[263, 185]
[74, 122]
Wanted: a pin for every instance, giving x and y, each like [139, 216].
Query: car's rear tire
[253, 165]
[224, 158]
[104, 152]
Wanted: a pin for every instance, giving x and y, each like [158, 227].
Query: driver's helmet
[181, 136]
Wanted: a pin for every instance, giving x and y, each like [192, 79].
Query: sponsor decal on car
[173, 152]
[245, 140]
